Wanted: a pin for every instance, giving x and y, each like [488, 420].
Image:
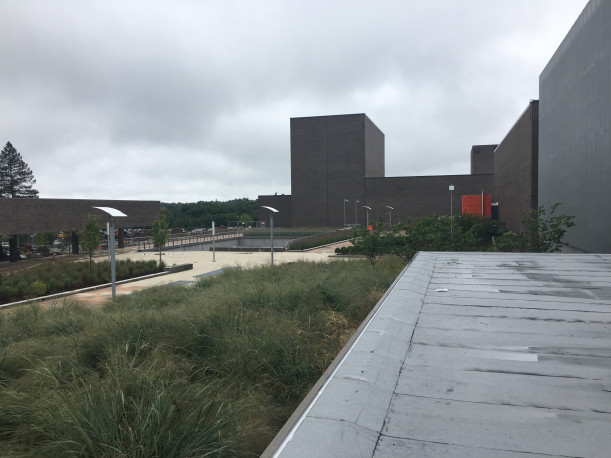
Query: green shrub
[53, 288]
[543, 233]
[56, 277]
[7, 294]
[20, 289]
[66, 283]
[38, 288]
[460, 233]
[509, 242]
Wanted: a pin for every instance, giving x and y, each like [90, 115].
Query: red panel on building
[473, 205]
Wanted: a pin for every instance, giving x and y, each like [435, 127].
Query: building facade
[27, 216]
[516, 169]
[559, 150]
[575, 128]
[331, 158]
[337, 168]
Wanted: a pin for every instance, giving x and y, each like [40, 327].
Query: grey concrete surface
[473, 354]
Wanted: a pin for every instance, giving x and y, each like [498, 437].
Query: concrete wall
[330, 157]
[374, 150]
[308, 169]
[241, 242]
[575, 128]
[245, 242]
[282, 204]
[26, 216]
[482, 159]
[345, 165]
[415, 197]
[515, 169]
[334, 158]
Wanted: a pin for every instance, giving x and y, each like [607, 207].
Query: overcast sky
[182, 101]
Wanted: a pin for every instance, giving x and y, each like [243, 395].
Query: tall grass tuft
[213, 369]
[127, 413]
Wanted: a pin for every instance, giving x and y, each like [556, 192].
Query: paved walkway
[202, 264]
[471, 354]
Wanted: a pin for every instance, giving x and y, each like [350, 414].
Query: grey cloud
[198, 95]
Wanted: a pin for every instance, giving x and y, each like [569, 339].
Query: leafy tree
[402, 242]
[544, 233]
[373, 244]
[160, 235]
[16, 178]
[91, 237]
[245, 217]
[45, 238]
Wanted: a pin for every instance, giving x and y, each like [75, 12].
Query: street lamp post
[451, 188]
[356, 218]
[345, 200]
[389, 215]
[114, 214]
[271, 228]
[368, 208]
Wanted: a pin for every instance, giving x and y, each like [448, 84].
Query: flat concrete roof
[471, 354]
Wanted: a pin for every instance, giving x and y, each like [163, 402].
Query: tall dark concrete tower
[331, 156]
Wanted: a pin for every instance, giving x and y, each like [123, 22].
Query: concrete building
[559, 150]
[337, 167]
[516, 169]
[575, 128]
[331, 158]
[28, 216]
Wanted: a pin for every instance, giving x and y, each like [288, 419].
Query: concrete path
[471, 354]
[202, 265]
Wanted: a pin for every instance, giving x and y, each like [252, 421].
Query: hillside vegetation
[209, 370]
[194, 215]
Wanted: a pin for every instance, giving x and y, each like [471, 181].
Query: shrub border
[81, 290]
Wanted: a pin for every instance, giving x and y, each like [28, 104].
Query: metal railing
[180, 240]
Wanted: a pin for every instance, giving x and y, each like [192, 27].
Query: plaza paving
[471, 354]
[203, 264]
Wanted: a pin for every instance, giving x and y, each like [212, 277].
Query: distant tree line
[200, 214]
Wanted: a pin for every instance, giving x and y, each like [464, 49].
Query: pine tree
[16, 178]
